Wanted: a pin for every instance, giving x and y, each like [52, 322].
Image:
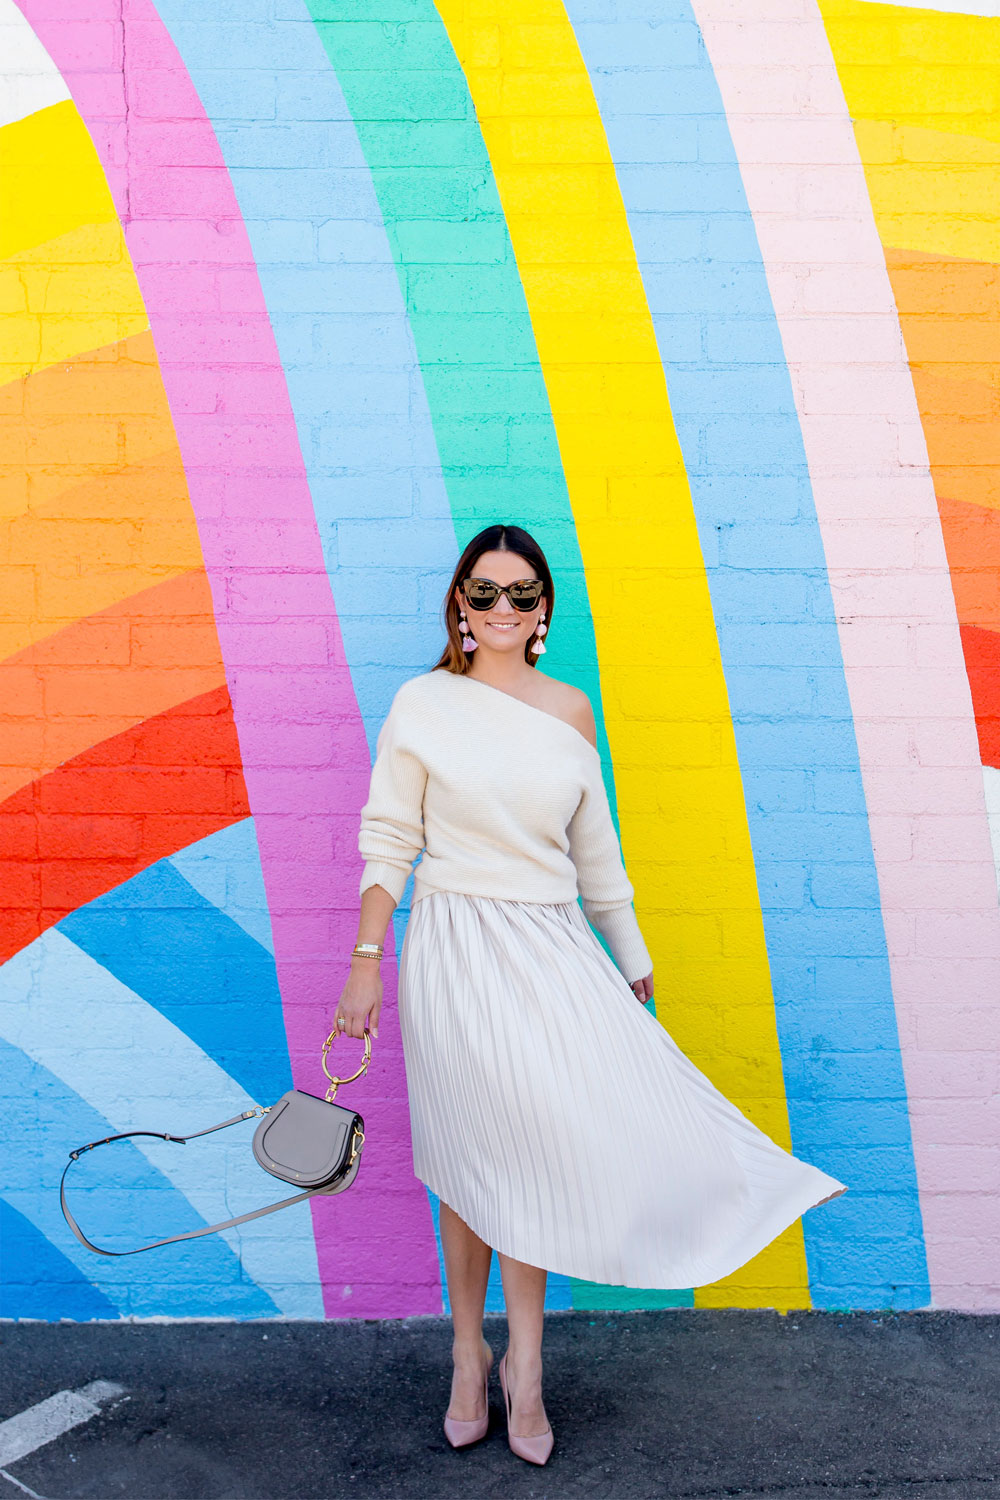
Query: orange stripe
[94, 491]
[972, 541]
[115, 810]
[982, 658]
[103, 675]
[950, 314]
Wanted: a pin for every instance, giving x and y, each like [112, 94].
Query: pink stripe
[889, 575]
[248, 487]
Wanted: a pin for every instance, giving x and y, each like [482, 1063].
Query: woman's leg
[467, 1267]
[524, 1293]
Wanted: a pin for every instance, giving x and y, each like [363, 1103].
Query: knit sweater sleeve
[391, 834]
[605, 890]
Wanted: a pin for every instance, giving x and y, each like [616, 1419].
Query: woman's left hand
[643, 989]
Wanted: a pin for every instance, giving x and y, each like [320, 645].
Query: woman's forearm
[377, 907]
[360, 1001]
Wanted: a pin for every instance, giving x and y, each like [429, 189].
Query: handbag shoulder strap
[192, 1234]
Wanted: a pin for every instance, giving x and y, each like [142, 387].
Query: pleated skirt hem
[682, 1277]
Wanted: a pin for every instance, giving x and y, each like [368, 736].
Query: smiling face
[503, 628]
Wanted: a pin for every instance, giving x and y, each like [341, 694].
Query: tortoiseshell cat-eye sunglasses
[483, 593]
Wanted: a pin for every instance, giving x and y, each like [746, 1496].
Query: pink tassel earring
[468, 642]
[536, 646]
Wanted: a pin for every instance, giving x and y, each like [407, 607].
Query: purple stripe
[305, 753]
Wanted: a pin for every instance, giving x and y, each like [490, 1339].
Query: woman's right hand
[360, 1000]
[643, 989]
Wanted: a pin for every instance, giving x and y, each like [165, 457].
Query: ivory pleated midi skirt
[561, 1121]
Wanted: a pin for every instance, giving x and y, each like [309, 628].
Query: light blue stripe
[336, 308]
[119, 1197]
[737, 424]
[161, 939]
[225, 867]
[39, 1281]
[140, 1072]
[329, 281]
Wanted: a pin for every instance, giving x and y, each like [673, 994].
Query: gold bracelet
[367, 950]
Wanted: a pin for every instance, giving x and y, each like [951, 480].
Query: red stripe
[115, 810]
[982, 661]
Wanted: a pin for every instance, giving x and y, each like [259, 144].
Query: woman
[556, 1120]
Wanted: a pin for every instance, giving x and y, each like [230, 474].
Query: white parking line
[33, 1493]
[50, 1418]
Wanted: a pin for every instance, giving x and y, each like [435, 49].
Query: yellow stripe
[932, 68]
[933, 190]
[67, 284]
[66, 297]
[923, 89]
[51, 180]
[683, 818]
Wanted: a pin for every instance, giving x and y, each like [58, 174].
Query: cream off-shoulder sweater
[503, 799]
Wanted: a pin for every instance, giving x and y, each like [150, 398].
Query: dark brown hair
[497, 538]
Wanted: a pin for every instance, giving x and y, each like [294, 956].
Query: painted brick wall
[295, 297]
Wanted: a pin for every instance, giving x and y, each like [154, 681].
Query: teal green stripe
[482, 376]
[435, 186]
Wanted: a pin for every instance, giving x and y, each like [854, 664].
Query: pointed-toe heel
[461, 1434]
[535, 1449]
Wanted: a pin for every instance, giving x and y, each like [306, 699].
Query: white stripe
[953, 7]
[888, 574]
[49, 1419]
[141, 1072]
[30, 80]
[24, 1488]
[991, 785]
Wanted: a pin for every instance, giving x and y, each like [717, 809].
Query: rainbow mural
[296, 296]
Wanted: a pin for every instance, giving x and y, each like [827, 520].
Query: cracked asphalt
[689, 1403]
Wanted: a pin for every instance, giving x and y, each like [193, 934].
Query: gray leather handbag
[302, 1139]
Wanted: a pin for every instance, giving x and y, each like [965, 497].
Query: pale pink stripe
[877, 512]
[248, 486]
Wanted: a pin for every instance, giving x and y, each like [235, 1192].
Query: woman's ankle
[526, 1364]
[470, 1351]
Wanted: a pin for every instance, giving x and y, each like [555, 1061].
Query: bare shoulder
[573, 705]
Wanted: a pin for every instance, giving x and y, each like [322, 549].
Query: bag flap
[305, 1140]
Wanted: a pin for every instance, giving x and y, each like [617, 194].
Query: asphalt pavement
[689, 1403]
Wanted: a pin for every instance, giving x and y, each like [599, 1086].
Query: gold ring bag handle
[301, 1139]
[335, 1082]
